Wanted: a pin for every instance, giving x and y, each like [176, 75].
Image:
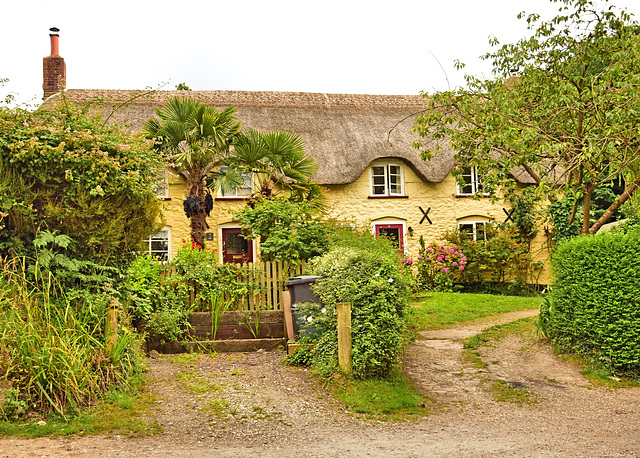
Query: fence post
[344, 335]
[111, 328]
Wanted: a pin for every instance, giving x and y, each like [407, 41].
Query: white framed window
[159, 245]
[474, 229]
[387, 179]
[245, 189]
[162, 188]
[472, 184]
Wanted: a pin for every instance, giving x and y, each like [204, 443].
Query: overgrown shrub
[500, 262]
[67, 171]
[376, 284]
[594, 307]
[52, 346]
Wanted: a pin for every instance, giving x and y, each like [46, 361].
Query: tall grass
[52, 346]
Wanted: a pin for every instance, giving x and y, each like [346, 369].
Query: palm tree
[273, 158]
[193, 137]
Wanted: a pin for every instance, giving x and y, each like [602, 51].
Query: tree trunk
[586, 207]
[198, 218]
[614, 206]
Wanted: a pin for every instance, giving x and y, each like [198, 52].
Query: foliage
[277, 162]
[64, 171]
[287, 229]
[437, 266]
[560, 212]
[156, 293]
[52, 346]
[568, 120]
[502, 259]
[524, 213]
[198, 268]
[594, 308]
[376, 284]
[193, 137]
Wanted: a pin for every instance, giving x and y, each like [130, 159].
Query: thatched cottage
[363, 147]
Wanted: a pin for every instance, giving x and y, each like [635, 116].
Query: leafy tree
[193, 137]
[569, 119]
[64, 172]
[287, 229]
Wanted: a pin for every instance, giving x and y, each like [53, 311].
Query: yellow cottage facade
[363, 147]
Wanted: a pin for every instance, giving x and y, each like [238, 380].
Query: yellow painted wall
[351, 203]
[221, 216]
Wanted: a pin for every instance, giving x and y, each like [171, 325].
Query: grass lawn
[438, 310]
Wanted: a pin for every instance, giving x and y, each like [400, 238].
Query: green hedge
[369, 274]
[594, 307]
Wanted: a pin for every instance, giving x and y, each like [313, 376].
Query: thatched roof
[344, 133]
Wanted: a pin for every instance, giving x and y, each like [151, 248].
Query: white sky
[336, 46]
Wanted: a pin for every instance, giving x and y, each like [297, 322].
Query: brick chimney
[54, 70]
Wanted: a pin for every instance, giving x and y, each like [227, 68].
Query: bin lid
[303, 279]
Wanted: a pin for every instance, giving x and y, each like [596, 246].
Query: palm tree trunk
[197, 216]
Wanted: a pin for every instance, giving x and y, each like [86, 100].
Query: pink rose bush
[438, 265]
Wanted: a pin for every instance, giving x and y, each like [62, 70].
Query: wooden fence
[266, 282]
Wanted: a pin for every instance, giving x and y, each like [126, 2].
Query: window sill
[165, 199]
[388, 197]
[466, 196]
[230, 198]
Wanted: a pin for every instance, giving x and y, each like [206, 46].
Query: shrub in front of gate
[594, 307]
[370, 275]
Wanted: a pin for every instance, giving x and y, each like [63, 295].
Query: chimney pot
[54, 68]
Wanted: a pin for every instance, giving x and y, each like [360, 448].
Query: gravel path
[250, 405]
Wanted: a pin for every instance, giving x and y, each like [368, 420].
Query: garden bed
[235, 332]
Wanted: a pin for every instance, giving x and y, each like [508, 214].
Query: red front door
[235, 248]
[393, 232]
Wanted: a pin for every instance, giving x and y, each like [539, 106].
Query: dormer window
[472, 182]
[387, 179]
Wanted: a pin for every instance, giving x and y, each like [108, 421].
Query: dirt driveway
[250, 405]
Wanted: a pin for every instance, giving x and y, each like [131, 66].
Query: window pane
[379, 180]
[466, 230]
[467, 177]
[481, 231]
[236, 244]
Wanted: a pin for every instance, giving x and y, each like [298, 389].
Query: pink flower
[420, 257]
[450, 250]
[455, 247]
[445, 270]
[439, 258]
[428, 250]
[455, 264]
[428, 259]
[461, 267]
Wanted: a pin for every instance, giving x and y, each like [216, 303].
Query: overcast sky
[336, 46]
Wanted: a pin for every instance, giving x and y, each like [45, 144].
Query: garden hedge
[594, 306]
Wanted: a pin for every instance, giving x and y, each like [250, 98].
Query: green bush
[377, 285]
[67, 171]
[502, 262]
[52, 346]
[594, 307]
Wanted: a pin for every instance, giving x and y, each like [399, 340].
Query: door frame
[401, 225]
